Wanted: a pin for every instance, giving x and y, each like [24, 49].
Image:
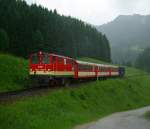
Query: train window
[35, 59]
[60, 60]
[114, 69]
[85, 67]
[46, 59]
[103, 69]
[54, 59]
[94, 67]
[69, 61]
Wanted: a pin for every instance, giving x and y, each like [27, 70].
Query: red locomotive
[55, 68]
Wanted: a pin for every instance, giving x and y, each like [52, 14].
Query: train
[56, 69]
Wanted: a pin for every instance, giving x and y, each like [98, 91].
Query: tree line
[25, 29]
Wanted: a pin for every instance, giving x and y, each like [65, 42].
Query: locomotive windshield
[46, 58]
[35, 59]
[42, 59]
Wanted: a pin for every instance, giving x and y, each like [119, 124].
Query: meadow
[66, 107]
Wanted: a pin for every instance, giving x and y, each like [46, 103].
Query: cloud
[133, 6]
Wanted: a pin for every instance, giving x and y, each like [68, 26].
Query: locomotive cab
[51, 68]
[50, 64]
[39, 63]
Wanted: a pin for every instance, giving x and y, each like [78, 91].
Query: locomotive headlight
[40, 52]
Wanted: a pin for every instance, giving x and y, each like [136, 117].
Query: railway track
[12, 96]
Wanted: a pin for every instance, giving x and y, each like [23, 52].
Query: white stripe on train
[71, 73]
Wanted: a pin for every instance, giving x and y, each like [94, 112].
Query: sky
[96, 12]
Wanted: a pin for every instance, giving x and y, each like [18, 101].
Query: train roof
[80, 62]
[62, 56]
[101, 65]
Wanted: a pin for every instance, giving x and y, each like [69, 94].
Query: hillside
[64, 108]
[13, 72]
[128, 36]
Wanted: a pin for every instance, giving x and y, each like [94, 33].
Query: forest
[25, 29]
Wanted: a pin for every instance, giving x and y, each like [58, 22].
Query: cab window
[35, 59]
[46, 59]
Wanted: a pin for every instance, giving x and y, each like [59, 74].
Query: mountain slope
[128, 36]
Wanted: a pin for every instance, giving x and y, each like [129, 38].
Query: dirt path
[133, 119]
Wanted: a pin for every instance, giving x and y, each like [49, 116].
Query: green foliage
[4, 40]
[65, 108]
[143, 60]
[37, 41]
[147, 114]
[32, 28]
[13, 72]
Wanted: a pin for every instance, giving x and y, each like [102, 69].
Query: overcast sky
[96, 12]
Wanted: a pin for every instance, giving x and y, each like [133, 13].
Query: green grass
[65, 108]
[147, 114]
[133, 71]
[13, 72]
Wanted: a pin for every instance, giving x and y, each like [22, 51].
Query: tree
[143, 61]
[4, 40]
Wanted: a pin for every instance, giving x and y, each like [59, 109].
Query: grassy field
[13, 72]
[65, 108]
